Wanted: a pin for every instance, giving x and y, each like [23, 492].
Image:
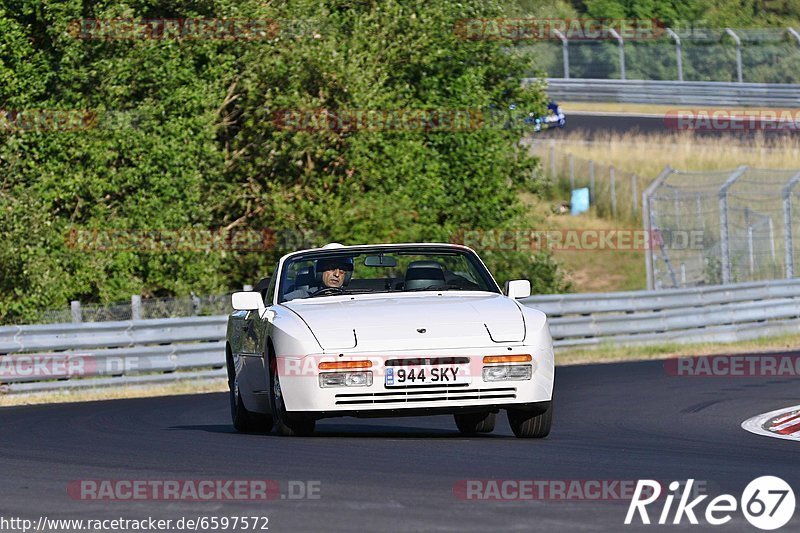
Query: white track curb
[757, 423]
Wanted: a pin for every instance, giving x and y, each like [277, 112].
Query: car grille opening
[427, 393]
[418, 361]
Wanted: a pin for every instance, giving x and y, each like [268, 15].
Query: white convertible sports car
[388, 330]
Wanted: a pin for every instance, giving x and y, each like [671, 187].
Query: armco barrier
[695, 93]
[111, 353]
[718, 313]
[163, 350]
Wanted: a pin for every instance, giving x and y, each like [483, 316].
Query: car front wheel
[471, 423]
[531, 424]
[243, 420]
[284, 423]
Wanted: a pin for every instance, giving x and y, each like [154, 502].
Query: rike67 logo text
[767, 503]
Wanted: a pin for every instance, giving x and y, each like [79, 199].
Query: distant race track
[590, 125]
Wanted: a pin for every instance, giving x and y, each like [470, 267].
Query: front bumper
[303, 394]
[537, 407]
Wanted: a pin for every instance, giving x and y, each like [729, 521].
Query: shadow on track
[355, 431]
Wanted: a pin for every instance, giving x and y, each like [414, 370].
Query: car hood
[411, 321]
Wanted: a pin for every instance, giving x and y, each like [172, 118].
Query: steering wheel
[328, 291]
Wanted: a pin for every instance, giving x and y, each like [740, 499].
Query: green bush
[185, 137]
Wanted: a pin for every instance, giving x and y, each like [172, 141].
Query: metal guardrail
[718, 313]
[93, 354]
[136, 352]
[703, 93]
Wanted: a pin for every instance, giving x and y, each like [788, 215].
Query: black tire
[472, 423]
[531, 424]
[244, 421]
[285, 424]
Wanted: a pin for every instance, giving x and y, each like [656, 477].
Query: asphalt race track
[613, 422]
[591, 125]
[603, 124]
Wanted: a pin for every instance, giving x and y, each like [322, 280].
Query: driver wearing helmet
[332, 273]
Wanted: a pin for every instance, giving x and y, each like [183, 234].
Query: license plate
[427, 375]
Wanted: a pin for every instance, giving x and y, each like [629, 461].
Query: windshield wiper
[337, 291]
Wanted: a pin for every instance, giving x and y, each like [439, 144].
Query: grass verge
[614, 354]
[646, 155]
[649, 109]
[116, 393]
[588, 270]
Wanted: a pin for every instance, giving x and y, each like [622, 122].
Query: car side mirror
[518, 288]
[248, 301]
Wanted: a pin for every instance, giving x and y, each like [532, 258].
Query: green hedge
[183, 136]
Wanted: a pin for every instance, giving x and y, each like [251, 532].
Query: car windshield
[384, 270]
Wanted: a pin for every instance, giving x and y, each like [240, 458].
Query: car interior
[418, 275]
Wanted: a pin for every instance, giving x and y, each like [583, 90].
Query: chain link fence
[139, 309]
[614, 193]
[721, 227]
[724, 55]
[704, 228]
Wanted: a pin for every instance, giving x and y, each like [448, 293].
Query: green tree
[185, 137]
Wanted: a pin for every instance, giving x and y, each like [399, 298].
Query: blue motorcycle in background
[555, 117]
[515, 118]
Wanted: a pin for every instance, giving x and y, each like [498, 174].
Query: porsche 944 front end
[375, 355]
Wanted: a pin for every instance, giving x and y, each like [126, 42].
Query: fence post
[750, 256]
[613, 191]
[771, 237]
[621, 43]
[787, 225]
[738, 53]
[723, 223]
[564, 52]
[794, 34]
[196, 303]
[678, 55]
[648, 224]
[591, 181]
[136, 307]
[699, 210]
[75, 311]
[571, 161]
[633, 194]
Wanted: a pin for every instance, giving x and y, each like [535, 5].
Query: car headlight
[507, 373]
[345, 379]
